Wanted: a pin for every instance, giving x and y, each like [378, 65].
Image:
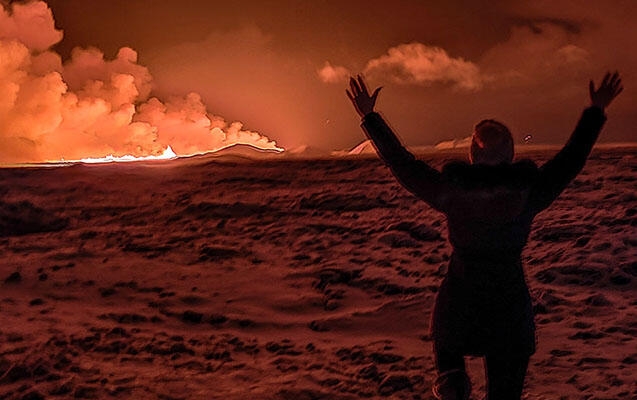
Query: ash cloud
[90, 106]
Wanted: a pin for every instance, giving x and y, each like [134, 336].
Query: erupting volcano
[92, 107]
[318, 272]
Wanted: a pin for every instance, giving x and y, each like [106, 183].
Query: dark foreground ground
[233, 279]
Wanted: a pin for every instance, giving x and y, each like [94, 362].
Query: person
[483, 307]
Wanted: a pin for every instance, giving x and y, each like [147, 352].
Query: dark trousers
[505, 372]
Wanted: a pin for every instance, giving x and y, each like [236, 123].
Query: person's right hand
[359, 95]
[610, 87]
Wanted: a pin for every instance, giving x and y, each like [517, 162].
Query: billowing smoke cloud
[531, 53]
[416, 63]
[534, 79]
[90, 106]
[30, 24]
[534, 54]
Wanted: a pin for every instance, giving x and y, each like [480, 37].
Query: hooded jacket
[483, 304]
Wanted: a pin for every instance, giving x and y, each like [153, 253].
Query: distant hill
[236, 152]
[305, 151]
[246, 150]
[454, 144]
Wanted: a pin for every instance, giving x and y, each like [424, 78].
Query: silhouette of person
[483, 306]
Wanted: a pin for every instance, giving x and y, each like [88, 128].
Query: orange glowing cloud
[90, 106]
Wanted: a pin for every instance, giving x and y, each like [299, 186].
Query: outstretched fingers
[614, 78]
[608, 90]
[605, 80]
[616, 83]
[350, 95]
[358, 93]
[361, 83]
[354, 86]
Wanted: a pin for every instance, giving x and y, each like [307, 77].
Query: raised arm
[415, 175]
[556, 174]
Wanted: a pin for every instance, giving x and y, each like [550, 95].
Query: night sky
[281, 67]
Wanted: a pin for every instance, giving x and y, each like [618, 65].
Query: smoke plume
[90, 106]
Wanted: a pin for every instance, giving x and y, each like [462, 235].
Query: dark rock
[318, 326]
[561, 353]
[106, 292]
[215, 253]
[36, 302]
[582, 241]
[386, 358]
[398, 240]
[330, 382]
[124, 318]
[35, 395]
[598, 300]
[630, 360]
[369, 372]
[586, 335]
[192, 317]
[246, 323]
[630, 268]
[218, 355]
[14, 278]
[421, 232]
[18, 372]
[217, 319]
[86, 392]
[393, 384]
[336, 276]
[619, 280]
[23, 218]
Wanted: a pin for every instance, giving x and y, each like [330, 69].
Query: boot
[452, 385]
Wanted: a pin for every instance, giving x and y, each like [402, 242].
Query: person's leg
[505, 376]
[452, 382]
[448, 360]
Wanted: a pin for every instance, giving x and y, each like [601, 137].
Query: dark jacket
[483, 304]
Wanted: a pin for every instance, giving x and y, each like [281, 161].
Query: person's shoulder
[456, 167]
[525, 166]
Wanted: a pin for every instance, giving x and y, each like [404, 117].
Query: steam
[416, 63]
[530, 56]
[90, 106]
[333, 74]
[413, 64]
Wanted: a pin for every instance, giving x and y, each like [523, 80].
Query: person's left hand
[359, 95]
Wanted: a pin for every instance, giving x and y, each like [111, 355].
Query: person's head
[491, 143]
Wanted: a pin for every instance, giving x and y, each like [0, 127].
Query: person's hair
[491, 143]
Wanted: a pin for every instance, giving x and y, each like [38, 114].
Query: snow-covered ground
[214, 277]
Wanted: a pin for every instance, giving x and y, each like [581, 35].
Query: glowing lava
[168, 154]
